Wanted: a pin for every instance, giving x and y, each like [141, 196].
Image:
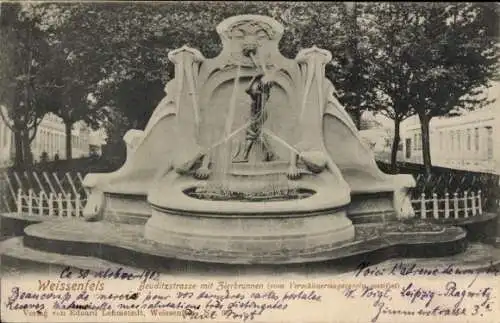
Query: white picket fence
[450, 206]
[48, 194]
[51, 204]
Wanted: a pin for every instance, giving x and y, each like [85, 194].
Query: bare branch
[35, 130]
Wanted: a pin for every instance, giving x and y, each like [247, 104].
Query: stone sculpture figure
[259, 91]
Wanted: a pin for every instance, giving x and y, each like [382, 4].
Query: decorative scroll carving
[312, 153]
[187, 65]
[249, 32]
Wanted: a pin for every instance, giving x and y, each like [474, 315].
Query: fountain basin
[318, 220]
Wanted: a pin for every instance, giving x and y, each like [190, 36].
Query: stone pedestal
[300, 226]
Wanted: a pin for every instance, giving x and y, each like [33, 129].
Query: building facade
[50, 141]
[470, 141]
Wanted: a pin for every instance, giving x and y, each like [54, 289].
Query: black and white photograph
[249, 161]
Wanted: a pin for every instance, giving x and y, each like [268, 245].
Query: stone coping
[359, 182]
[125, 243]
[330, 193]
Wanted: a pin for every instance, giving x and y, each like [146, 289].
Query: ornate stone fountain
[248, 152]
[249, 159]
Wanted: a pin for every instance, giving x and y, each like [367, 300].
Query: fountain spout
[249, 50]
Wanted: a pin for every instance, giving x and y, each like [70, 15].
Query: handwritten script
[118, 292]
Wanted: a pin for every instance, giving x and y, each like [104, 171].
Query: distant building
[50, 140]
[378, 135]
[470, 141]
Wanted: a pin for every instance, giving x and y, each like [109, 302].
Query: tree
[429, 60]
[131, 44]
[23, 97]
[459, 57]
[357, 86]
[118, 51]
[389, 39]
[73, 73]
[339, 29]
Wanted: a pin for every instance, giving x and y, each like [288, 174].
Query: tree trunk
[19, 153]
[67, 128]
[27, 154]
[395, 145]
[426, 149]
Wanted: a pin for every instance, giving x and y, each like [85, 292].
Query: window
[408, 147]
[476, 138]
[419, 141]
[44, 140]
[490, 142]
[469, 139]
[51, 143]
[459, 136]
[452, 134]
[441, 140]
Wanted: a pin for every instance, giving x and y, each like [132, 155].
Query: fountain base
[253, 214]
[68, 242]
[252, 235]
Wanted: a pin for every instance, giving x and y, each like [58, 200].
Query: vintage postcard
[249, 162]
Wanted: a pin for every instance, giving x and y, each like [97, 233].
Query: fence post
[30, 202]
[455, 205]
[466, 207]
[423, 211]
[47, 179]
[70, 180]
[6, 202]
[39, 183]
[435, 212]
[51, 204]
[77, 205]
[19, 201]
[446, 205]
[40, 203]
[69, 206]
[479, 202]
[473, 201]
[11, 188]
[60, 210]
